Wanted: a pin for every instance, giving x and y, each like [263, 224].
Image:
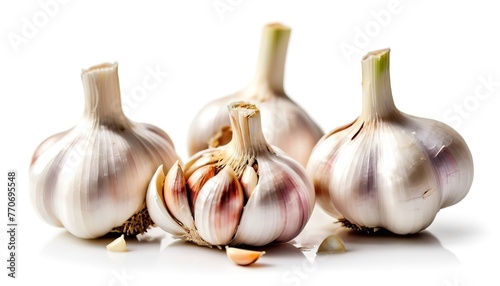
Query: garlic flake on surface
[92, 179]
[284, 123]
[117, 245]
[389, 169]
[243, 193]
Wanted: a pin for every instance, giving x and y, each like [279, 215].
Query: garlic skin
[93, 177]
[388, 169]
[243, 193]
[284, 123]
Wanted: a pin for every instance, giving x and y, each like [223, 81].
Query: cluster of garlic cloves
[388, 169]
[284, 123]
[243, 193]
[92, 179]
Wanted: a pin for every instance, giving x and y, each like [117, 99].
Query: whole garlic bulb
[92, 179]
[388, 169]
[284, 123]
[245, 192]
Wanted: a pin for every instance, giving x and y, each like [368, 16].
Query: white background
[441, 55]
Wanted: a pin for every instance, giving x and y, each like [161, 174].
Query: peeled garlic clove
[117, 245]
[92, 179]
[284, 123]
[218, 208]
[331, 244]
[176, 197]
[388, 169]
[243, 257]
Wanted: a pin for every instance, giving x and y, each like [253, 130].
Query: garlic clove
[280, 185]
[200, 159]
[176, 196]
[198, 179]
[243, 257]
[249, 180]
[156, 205]
[117, 245]
[450, 155]
[264, 205]
[331, 244]
[298, 204]
[218, 207]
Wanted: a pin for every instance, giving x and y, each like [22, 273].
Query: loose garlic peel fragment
[243, 193]
[284, 123]
[389, 169]
[243, 257]
[92, 179]
[117, 245]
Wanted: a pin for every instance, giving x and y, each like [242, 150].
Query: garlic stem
[377, 94]
[102, 95]
[248, 140]
[271, 62]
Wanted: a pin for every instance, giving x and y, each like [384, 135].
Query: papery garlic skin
[92, 178]
[284, 123]
[246, 192]
[388, 169]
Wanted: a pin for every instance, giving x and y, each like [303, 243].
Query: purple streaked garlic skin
[243, 193]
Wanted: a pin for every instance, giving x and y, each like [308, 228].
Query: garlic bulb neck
[248, 140]
[377, 94]
[271, 63]
[101, 88]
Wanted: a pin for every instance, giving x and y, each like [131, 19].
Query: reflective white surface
[453, 252]
[444, 65]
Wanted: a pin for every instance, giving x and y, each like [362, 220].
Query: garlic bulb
[245, 192]
[284, 123]
[389, 169]
[92, 179]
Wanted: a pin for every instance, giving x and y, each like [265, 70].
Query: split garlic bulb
[245, 192]
[92, 179]
[284, 123]
[388, 169]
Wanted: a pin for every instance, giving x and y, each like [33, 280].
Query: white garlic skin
[389, 169]
[284, 123]
[276, 209]
[93, 177]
